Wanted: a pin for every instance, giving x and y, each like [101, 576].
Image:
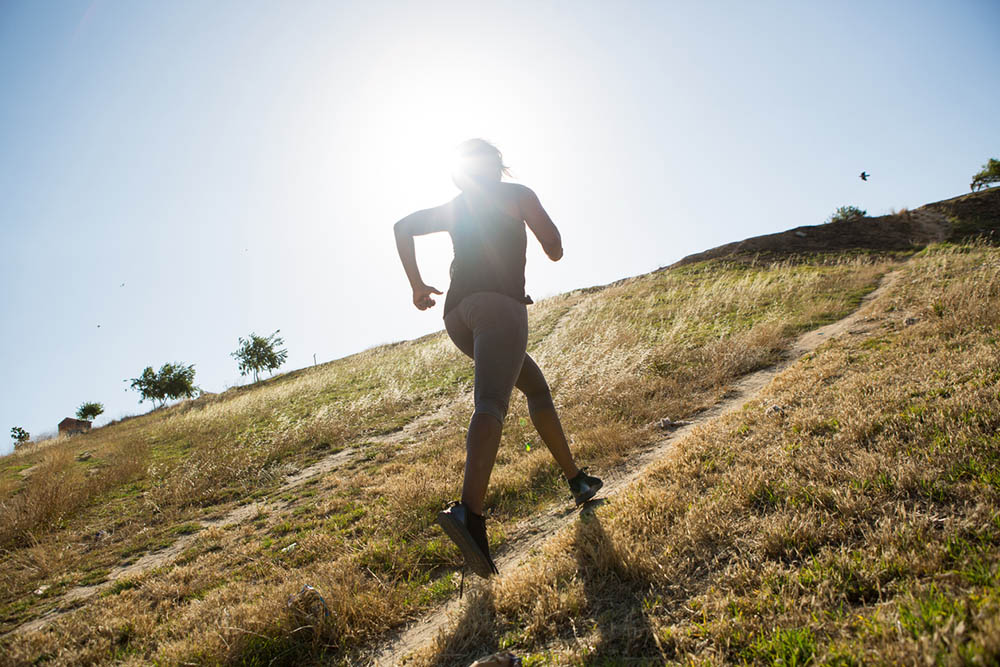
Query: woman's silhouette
[486, 316]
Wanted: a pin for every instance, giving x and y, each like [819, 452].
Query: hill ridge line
[530, 534]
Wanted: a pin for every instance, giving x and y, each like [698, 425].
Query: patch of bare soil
[529, 535]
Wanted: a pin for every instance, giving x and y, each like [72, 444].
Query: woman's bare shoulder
[514, 196]
[449, 209]
[515, 191]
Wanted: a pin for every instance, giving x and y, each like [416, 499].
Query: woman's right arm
[422, 222]
[540, 223]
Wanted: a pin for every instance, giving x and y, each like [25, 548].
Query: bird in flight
[864, 176]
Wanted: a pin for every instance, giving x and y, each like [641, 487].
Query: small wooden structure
[70, 426]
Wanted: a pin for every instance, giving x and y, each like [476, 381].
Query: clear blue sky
[174, 175]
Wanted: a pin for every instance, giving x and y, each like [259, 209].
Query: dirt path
[933, 223]
[529, 535]
[76, 597]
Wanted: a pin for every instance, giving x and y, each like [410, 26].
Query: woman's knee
[530, 379]
[492, 405]
[539, 400]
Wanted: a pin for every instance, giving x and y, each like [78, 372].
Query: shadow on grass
[475, 635]
[614, 598]
[614, 609]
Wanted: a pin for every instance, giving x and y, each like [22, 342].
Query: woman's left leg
[546, 420]
[544, 416]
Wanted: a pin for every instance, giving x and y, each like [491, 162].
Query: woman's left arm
[422, 222]
[539, 223]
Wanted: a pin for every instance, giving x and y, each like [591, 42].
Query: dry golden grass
[860, 524]
[663, 345]
[57, 486]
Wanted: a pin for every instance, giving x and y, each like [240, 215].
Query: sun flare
[421, 115]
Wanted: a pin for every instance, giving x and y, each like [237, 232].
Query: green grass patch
[119, 586]
[189, 528]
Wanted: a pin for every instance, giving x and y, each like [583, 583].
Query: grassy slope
[859, 525]
[665, 344]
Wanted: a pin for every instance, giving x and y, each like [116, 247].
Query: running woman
[486, 316]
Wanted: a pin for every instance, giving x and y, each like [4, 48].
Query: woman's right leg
[543, 414]
[481, 444]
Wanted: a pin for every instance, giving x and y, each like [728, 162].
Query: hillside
[846, 510]
[955, 220]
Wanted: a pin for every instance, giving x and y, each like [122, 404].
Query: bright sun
[417, 115]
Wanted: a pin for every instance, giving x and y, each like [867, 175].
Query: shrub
[990, 174]
[845, 213]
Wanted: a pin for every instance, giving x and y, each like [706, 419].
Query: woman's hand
[422, 296]
[422, 222]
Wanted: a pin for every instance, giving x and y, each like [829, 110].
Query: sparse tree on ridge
[174, 380]
[990, 174]
[90, 410]
[178, 381]
[148, 385]
[19, 435]
[258, 353]
[845, 213]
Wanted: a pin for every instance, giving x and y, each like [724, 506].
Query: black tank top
[489, 254]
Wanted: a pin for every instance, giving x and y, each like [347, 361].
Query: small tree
[178, 381]
[258, 353]
[989, 175]
[172, 381]
[148, 386]
[19, 435]
[845, 213]
[89, 410]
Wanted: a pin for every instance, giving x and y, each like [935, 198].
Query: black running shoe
[468, 531]
[584, 486]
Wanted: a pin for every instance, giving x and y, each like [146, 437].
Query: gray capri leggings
[492, 328]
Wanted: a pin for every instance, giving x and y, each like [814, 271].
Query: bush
[845, 213]
[989, 175]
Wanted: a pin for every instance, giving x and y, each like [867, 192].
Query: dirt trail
[531, 534]
[75, 597]
[933, 224]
